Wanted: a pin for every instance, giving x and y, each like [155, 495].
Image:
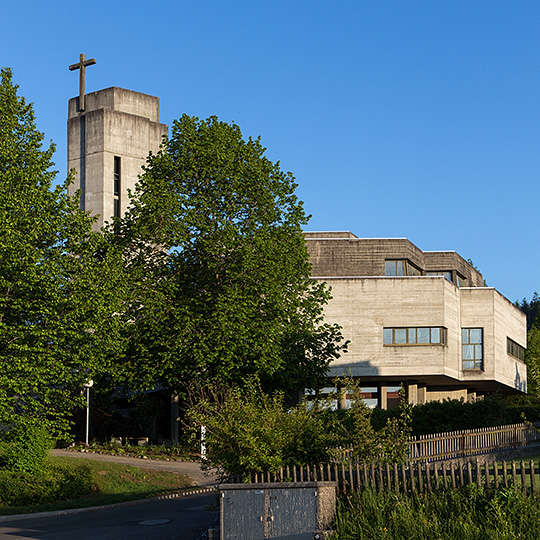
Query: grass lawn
[110, 483]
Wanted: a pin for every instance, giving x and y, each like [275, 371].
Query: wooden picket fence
[473, 442]
[443, 460]
[413, 477]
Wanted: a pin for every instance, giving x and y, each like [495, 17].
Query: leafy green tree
[57, 282]
[214, 243]
[532, 359]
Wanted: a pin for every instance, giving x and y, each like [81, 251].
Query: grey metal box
[291, 511]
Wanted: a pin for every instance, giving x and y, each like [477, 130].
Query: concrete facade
[374, 308]
[111, 138]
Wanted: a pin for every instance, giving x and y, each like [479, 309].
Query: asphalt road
[184, 518]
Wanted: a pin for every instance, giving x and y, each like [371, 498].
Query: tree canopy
[214, 241]
[57, 293]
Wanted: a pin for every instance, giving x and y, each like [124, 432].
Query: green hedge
[453, 415]
[54, 484]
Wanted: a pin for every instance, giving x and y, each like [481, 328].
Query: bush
[25, 447]
[250, 431]
[51, 485]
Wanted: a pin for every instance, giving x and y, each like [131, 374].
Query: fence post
[420, 482]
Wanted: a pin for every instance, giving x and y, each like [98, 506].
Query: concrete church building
[110, 133]
[423, 319]
[419, 318]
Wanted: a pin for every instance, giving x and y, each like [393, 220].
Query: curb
[36, 515]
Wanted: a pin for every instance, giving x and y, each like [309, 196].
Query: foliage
[470, 514]
[455, 414]
[57, 285]
[248, 430]
[25, 447]
[176, 452]
[531, 309]
[54, 484]
[532, 359]
[222, 289]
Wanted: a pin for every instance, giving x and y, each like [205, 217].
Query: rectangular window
[415, 336]
[400, 268]
[450, 275]
[116, 187]
[515, 350]
[472, 343]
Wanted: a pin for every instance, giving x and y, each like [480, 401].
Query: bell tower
[110, 133]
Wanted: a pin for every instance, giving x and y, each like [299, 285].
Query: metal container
[291, 511]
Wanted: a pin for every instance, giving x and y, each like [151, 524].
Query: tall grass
[468, 514]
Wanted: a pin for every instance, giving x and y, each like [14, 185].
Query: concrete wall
[343, 254]
[364, 306]
[119, 123]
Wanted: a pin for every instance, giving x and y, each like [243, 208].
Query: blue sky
[417, 119]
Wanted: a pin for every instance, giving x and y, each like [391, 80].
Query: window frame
[409, 331]
[117, 186]
[478, 362]
[409, 269]
[512, 346]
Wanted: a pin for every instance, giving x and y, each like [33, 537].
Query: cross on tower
[83, 62]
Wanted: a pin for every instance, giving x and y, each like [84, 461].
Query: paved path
[187, 468]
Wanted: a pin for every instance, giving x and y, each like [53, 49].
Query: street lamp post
[88, 384]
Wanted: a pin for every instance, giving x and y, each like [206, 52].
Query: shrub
[250, 431]
[24, 447]
[51, 485]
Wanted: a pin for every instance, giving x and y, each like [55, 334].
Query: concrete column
[412, 393]
[471, 396]
[383, 396]
[341, 398]
[175, 413]
[422, 392]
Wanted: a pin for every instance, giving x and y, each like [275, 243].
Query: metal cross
[83, 62]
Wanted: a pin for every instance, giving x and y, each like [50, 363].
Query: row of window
[402, 267]
[515, 350]
[472, 342]
[435, 335]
